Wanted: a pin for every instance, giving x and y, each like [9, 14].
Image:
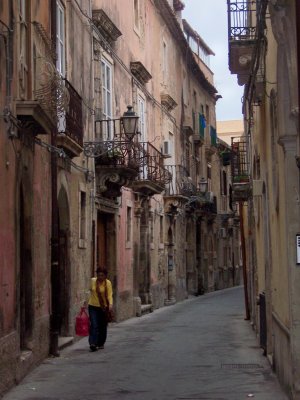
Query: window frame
[136, 16]
[60, 38]
[82, 218]
[141, 102]
[107, 93]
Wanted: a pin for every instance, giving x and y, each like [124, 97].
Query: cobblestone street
[201, 348]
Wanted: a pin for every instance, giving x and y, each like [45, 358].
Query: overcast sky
[209, 19]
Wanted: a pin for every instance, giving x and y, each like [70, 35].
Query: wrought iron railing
[112, 147]
[115, 153]
[181, 183]
[153, 168]
[74, 123]
[240, 159]
[242, 24]
[246, 19]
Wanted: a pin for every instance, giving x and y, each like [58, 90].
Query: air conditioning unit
[166, 149]
[222, 233]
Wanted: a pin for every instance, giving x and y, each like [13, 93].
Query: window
[23, 47]
[161, 229]
[165, 62]
[141, 114]
[128, 225]
[106, 69]
[136, 15]
[60, 38]
[208, 177]
[224, 183]
[207, 116]
[185, 89]
[82, 218]
[151, 224]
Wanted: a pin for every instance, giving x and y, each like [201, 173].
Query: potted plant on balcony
[243, 178]
[226, 157]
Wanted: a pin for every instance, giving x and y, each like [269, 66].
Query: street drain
[241, 366]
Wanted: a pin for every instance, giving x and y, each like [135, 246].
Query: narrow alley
[201, 348]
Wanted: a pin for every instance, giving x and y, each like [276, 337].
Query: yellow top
[94, 300]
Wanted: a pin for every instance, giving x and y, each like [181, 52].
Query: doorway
[63, 278]
[26, 281]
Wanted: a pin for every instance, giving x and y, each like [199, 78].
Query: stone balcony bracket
[167, 101]
[140, 72]
[33, 117]
[105, 25]
[188, 130]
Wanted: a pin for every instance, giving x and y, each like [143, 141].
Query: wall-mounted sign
[298, 247]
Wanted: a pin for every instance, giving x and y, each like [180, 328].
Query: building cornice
[175, 29]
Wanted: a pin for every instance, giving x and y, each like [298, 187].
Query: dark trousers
[98, 326]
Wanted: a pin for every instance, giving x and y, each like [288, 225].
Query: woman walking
[99, 302]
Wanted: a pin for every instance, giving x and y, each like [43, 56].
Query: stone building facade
[85, 188]
[46, 212]
[268, 65]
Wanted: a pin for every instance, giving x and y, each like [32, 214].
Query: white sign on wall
[298, 247]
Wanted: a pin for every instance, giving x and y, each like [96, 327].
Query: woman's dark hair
[103, 270]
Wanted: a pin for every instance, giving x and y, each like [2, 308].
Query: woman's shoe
[93, 347]
[100, 347]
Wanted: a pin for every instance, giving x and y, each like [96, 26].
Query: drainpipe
[243, 245]
[54, 317]
[297, 5]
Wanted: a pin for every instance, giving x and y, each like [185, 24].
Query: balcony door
[143, 137]
[60, 64]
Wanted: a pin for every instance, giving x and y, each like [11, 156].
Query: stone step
[64, 341]
[146, 309]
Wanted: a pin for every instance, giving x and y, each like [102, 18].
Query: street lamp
[130, 122]
[203, 185]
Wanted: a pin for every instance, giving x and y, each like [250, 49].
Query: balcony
[153, 176]
[246, 23]
[118, 160]
[200, 136]
[179, 190]
[242, 36]
[181, 185]
[70, 124]
[205, 204]
[33, 118]
[241, 187]
[37, 115]
[212, 144]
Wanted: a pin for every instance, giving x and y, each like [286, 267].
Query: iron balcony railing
[240, 169]
[240, 159]
[181, 183]
[74, 123]
[152, 165]
[112, 147]
[115, 153]
[242, 22]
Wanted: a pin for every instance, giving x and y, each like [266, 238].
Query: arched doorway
[26, 270]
